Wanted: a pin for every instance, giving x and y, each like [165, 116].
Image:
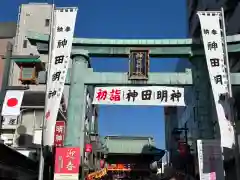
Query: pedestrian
[172, 174]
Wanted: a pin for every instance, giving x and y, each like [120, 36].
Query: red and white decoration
[102, 163]
[12, 103]
[59, 134]
[139, 95]
[88, 148]
[210, 161]
[62, 38]
[67, 162]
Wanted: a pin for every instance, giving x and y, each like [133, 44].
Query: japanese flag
[12, 103]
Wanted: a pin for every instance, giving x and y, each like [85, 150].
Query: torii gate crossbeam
[171, 48]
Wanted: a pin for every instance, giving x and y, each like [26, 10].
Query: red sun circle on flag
[12, 102]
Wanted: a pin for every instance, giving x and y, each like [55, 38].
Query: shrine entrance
[138, 87]
[134, 88]
[127, 99]
[84, 80]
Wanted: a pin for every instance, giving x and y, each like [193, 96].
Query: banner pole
[42, 162]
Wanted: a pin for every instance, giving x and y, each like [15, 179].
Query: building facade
[23, 130]
[232, 12]
[200, 125]
[21, 133]
[7, 34]
[28, 70]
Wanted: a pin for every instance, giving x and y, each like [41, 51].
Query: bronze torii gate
[82, 75]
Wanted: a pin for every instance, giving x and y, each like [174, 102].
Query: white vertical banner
[210, 160]
[215, 57]
[63, 30]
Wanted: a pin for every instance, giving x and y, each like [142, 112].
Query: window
[28, 75]
[47, 22]
[25, 43]
[38, 117]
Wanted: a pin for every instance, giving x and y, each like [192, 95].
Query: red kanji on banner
[59, 134]
[67, 160]
[115, 95]
[101, 95]
[47, 115]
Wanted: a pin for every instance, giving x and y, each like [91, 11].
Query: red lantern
[182, 148]
[88, 148]
[102, 163]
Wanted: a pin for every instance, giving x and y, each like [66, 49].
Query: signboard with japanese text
[136, 95]
[67, 162]
[212, 36]
[59, 134]
[62, 38]
[97, 175]
[138, 64]
[210, 160]
[10, 121]
[119, 167]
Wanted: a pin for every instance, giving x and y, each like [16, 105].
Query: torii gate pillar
[202, 90]
[77, 102]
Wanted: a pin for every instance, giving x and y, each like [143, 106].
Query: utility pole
[5, 79]
[42, 150]
[231, 102]
[7, 67]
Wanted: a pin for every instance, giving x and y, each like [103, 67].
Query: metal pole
[236, 146]
[41, 163]
[7, 66]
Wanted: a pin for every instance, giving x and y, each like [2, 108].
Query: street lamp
[177, 131]
[182, 147]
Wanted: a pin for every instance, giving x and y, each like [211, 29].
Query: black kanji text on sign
[147, 95]
[52, 94]
[212, 45]
[59, 29]
[59, 59]
[215, 62]
[218, 79]
[61, 43]
[162, 95]
[131, 94]
[56, 76]
[175, 95]
[206, 31]
[67, 29]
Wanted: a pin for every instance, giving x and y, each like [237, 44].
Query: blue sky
[124, 19]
